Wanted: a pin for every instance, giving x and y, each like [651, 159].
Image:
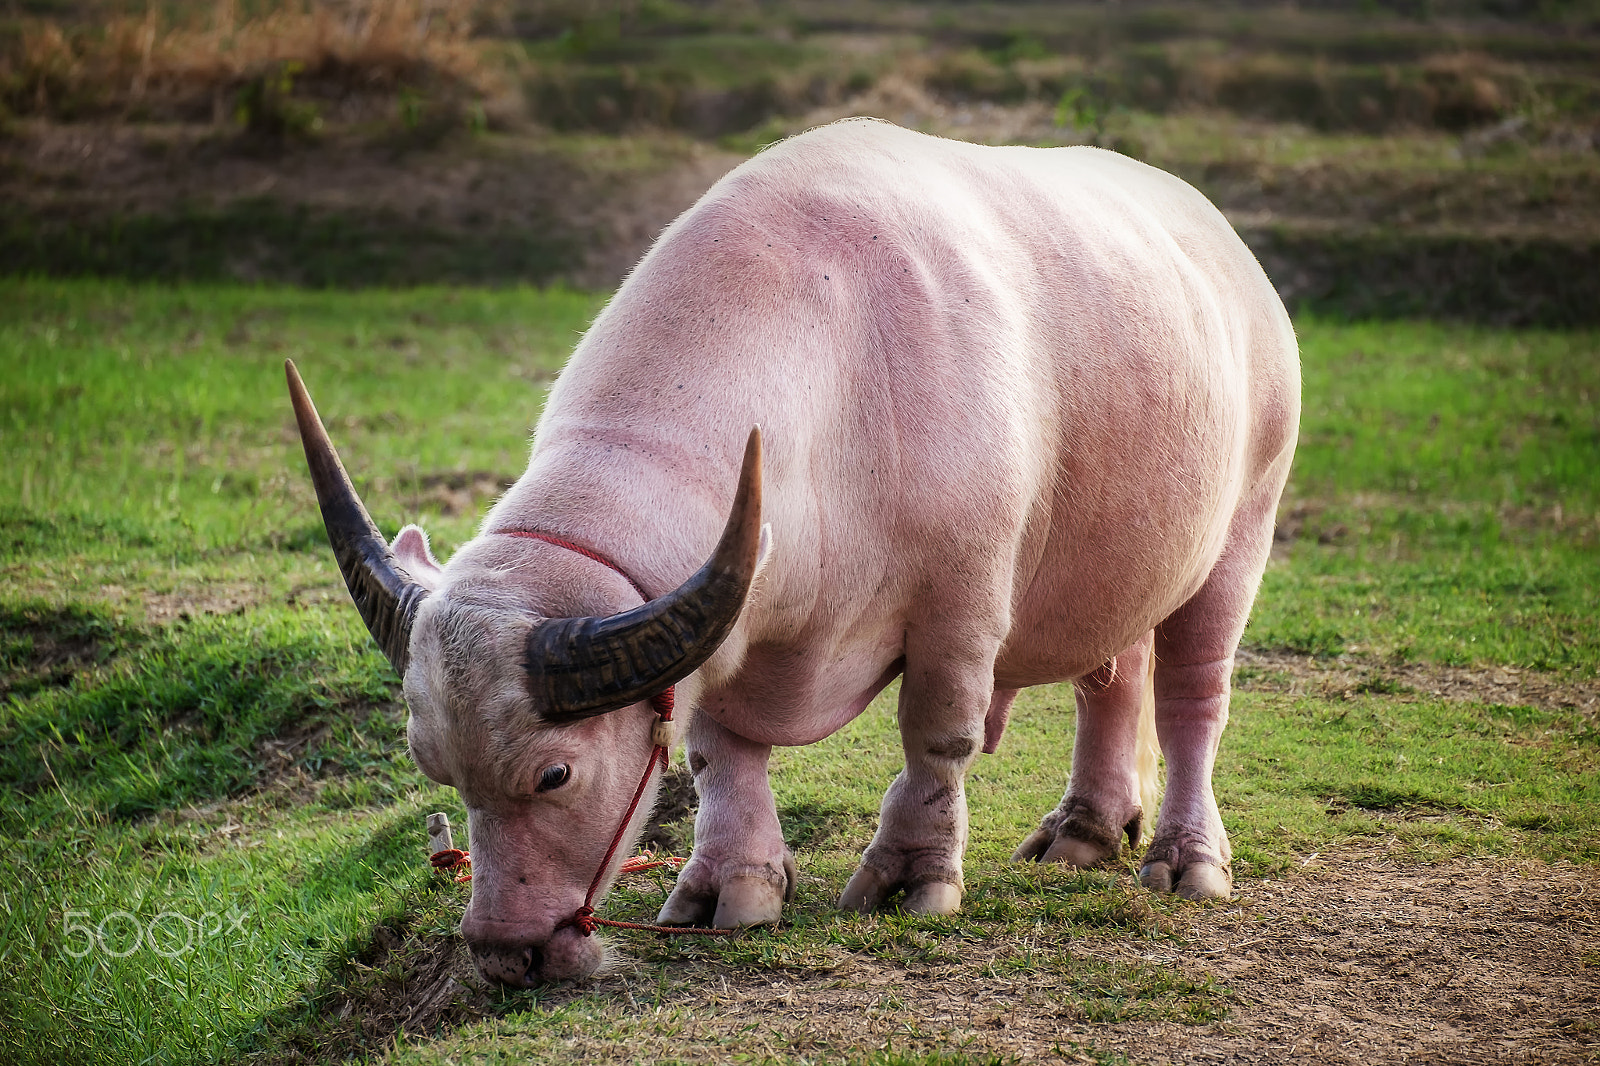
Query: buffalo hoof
[1198, 880]
[683, 908]
[1080, 833]
[754, 897]
[1042, 845]
[932, 897]
[867, 890]
[748, 901]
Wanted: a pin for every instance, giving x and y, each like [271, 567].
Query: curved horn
[581, 667]
[385, 594]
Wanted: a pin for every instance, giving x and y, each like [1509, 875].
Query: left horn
[386, 595]
[581, 667]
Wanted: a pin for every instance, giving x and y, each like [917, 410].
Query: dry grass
[155, 66]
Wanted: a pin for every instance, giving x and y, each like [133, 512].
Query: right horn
[386, 595]
[581, 667]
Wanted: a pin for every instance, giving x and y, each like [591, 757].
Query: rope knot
[449, 860]
[584, 920]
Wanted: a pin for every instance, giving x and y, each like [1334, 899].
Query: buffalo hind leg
[922, 829]
[741, 872]
[1102, 804]
[1194, 650]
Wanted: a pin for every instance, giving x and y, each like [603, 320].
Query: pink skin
[472, 727]
[1194, 649]
[1025, 412]
[1102, 804]
[721, 883]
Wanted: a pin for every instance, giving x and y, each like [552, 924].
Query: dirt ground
[610, 199]
[1285, 671]
[1360, 960]
[603, 201]
[1351, 959]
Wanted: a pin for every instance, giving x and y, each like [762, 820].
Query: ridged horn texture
[385, 594]
[582, 667]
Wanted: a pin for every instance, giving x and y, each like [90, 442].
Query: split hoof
[686, 908]
[748, 899]
[1043, 845]
[1079, 835]
[867, 890]
[1081, 853]
[1034, 846]
[1198, 880]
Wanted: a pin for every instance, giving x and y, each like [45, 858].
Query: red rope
[658, 754]
[449, 860]
[647, 861]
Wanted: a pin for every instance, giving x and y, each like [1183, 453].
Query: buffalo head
[527, 672]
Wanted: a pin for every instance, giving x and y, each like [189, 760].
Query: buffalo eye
[554, 777]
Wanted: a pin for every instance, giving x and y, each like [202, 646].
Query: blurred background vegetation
[1412, 157]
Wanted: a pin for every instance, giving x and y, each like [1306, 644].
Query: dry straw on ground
[151, 64]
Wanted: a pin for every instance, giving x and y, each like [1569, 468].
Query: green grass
[159, 414]
[161, 759]
[198, 743]
[1446, 495]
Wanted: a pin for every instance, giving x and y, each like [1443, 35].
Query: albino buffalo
[1024, 416]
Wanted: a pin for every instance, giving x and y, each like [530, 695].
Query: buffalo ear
[413, 555]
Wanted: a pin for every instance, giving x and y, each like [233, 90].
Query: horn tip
[297, 387]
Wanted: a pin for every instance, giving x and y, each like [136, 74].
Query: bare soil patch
[582, 214]
[405, 982]
[1352, 959]
[1284, 671]
[181, 604]
[43, 647]
[1370, 961]
[1355, 961]
[361, 207]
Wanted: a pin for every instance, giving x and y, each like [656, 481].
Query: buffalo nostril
[535, 971]
[511, 966]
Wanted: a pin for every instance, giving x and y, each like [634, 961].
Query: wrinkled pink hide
[1025, 411]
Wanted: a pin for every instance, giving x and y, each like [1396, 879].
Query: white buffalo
[1024, 416]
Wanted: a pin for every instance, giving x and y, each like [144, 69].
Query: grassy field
[216, 844]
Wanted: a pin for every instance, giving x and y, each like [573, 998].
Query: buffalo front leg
[922, 829]
[1102, 804]
[741, 872]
